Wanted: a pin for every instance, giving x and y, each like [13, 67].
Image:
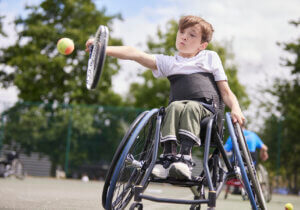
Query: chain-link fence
[77, 138]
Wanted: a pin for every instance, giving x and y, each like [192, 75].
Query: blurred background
[55, 123]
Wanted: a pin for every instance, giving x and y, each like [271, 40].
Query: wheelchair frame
[140, 166]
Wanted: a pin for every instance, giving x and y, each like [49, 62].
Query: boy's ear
[203, 45]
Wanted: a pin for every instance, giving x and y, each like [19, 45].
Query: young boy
[198, 86]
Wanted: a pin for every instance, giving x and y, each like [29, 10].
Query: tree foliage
[155, 92]
[39, 72]
[281, 131]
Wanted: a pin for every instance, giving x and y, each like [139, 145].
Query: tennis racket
[97, 57]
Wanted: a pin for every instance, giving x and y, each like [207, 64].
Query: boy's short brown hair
[206, 28]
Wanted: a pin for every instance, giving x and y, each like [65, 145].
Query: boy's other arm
[231, 101]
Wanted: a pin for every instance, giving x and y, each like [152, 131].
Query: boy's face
[188, 41]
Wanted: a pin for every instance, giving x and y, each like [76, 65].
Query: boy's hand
[237, 116]
[88, 43]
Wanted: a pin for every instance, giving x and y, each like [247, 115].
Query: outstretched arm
[129, 53]
[231, 101]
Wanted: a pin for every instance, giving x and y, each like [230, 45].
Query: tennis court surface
[50, 193]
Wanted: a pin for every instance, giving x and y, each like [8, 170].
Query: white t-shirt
[205, 61]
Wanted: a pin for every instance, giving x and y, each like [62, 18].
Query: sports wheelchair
[133, 162]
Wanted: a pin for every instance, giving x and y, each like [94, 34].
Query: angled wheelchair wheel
[118, 154]
[250, 168]
[132, 163]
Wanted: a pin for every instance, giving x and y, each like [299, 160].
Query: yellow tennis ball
[288, 206]
[65, 46]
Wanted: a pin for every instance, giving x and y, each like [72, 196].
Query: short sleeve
[217, 68]
[163, 63]
[259, 142]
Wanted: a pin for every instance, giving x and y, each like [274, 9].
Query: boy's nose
[184, 36]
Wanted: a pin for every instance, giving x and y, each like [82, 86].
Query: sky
[251, 28]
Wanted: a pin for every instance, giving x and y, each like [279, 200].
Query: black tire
[250, 168]
[117, 155]
[18, 168]
[132, 163]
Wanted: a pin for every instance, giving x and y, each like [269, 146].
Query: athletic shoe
[182, 168]
[162, 166]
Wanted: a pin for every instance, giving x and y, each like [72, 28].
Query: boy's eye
[192, 35]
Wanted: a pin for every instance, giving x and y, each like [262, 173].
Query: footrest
[170, 200]
[181, 183]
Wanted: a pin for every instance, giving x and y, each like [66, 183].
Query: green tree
[39, 72]
[283, 128]
[155, 92]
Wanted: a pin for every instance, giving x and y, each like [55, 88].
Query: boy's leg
[171, 121]
[191, 117]
[189, 134]
[168, 139]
